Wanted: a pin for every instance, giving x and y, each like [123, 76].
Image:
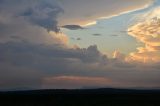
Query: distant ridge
[83, 91]
[81, 97]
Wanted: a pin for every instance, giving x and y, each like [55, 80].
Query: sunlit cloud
[91, 23]
[60, 37]
[147, 31]
[118, 55]
[75, 82]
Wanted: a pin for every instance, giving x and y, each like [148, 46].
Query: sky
[77, 44]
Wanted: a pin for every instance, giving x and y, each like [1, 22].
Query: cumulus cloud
[30, 21]
[38, 12]
[147, 31]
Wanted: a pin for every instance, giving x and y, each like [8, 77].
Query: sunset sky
[72, 44]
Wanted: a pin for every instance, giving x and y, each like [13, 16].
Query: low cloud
[70, 82]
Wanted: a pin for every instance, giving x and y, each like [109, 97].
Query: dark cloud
[96, 34]
[27, 65]
[90, 54]
[11, 49]
[79, 39]
[72, 27]
[29, 21]
[37, 12]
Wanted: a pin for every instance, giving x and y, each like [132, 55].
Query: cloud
[30, 21]
[33, 53]
[72, 27]
[25, 62]
[118, 55]
[86, 12]
[79, 39]
[35, 66]
[70, 82]
[147, 32]
[96, 34]
[38, 12]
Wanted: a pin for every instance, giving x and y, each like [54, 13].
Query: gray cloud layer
[28, 65]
